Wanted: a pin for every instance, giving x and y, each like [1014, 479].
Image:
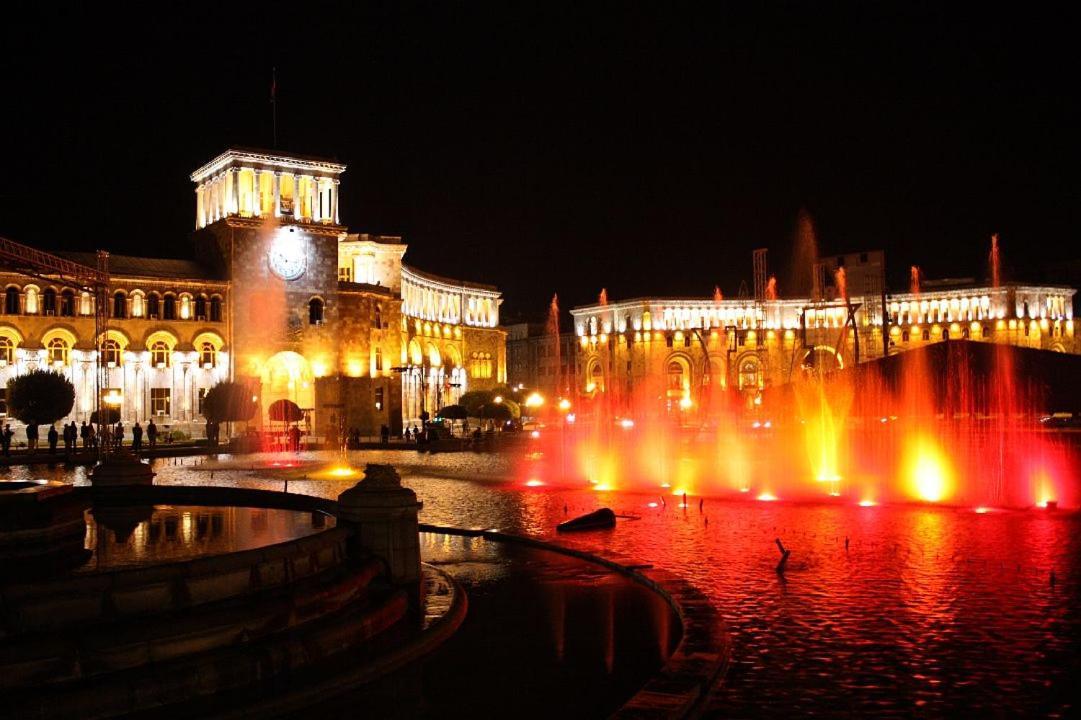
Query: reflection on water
[125, 536]
[931, 611]
[546, 636]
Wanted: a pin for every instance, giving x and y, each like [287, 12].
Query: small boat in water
[596, 520]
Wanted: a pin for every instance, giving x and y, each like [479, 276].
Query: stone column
[334, 201]
[277, 193]
[383, 515]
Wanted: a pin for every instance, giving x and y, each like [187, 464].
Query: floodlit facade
[749, 345]
[282, 298]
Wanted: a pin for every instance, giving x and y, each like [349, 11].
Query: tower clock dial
[286, 256]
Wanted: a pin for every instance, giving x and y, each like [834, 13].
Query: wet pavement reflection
[929, 612]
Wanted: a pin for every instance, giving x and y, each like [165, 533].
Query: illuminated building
[282, 297]
[748, 344]
[535, 361]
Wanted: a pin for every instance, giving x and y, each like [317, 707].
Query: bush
[40, 396]
[109, 415]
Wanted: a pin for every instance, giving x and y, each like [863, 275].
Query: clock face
[286, 257]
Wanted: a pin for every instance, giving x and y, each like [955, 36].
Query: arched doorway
[288, 376]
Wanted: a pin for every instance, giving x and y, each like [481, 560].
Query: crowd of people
[89, 434]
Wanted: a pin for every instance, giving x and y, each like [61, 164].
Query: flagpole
[274, 103]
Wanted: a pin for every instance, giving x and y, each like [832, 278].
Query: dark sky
[546, 148]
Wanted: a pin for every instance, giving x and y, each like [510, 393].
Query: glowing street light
[535, 400]
[564, 404]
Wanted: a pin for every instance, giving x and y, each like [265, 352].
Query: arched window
[67, 303]
[748, 373]
[169, 311]
[315, 311]
[110, 353]
[11, 301]
[7, 351]
[215, 309]
[159, 354]
[48, 302]
[31, 303]
[138, 304]
[153, 306]
[675, 376]
[208, 355]
[200, 307]
[120, 305]
[926, 335]
[378, 322]
[58, 351]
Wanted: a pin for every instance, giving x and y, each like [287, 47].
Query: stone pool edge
[699, 662]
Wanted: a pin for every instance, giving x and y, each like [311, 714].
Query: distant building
[697, 343]
[536, 361]
[282, 297]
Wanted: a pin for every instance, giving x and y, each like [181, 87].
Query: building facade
[537, 360]
[749, 345]
[282, 298]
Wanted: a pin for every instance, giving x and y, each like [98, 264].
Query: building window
[926, 335]
[67, 303]
[120, 305]
[110, 353]
[58, 352]
[379, 398]
[345, 274]
[48, 302]
[748, 374]
[153, 306]
[159, 354]
[170, 308]
[378, 316]
[378, 360]
[200, 307]
[208, 355]
[7, 351]
[201, 398]
[904, 335]
[215, 309]
[138, 304]
[160, 401]
[315, 311]
[11, 301]
[675, 376]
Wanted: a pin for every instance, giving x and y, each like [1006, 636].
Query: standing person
[384, 435]
[32, 436]
[136, 437]
[85, 435]
[152, 433]
[53, 437]
[70, 433]
[118, 439]
[5, 440]
[91, 437]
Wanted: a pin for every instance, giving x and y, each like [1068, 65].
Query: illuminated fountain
[952, 423]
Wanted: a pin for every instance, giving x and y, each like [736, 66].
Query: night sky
[549, 148]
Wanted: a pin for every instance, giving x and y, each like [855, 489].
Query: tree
[473, 400]
[40, 397]
[229, 401]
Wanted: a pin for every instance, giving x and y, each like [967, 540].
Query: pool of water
[130, 536]
[930, 611]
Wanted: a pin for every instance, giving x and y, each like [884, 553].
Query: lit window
[675, 376]
[208, 355]
[378, 359]
[345, 274]
[7, 351]
[160, 401]
[159, 354]
[110, 353]
[379, 398]
[58, 351]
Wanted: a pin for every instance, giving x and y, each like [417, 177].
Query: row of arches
[66, 302]
[58, 344]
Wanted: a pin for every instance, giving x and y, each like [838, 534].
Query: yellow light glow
[767, 497]
[564, 404]
[685, 403]
[867, 503]
[534, 400]
[929, 471]
[982, 510]
[113, 398]
[497, 399]
[319, 368]
[534, 483]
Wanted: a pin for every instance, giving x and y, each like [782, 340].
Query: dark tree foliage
[229, 401]
[40, 396]
[108, 416]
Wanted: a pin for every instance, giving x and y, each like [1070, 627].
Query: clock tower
[269, 223]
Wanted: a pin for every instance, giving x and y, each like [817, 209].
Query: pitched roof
[160, 268]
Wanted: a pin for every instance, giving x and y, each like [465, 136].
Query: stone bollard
[384, 517]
